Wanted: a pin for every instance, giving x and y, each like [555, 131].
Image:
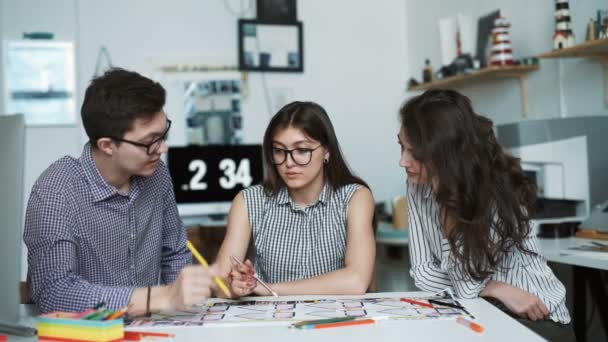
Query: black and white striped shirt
[433, 268]
[293, 243]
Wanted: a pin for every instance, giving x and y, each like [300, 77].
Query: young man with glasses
[311, 221]
[104, 228]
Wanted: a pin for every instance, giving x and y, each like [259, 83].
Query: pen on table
[411, 301]
[323, 321]
[470, 324]
[337, 324]
[203, 262]
[235, 259]
[451, 305]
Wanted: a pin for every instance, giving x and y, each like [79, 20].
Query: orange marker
[411, 301]
[468, 323]
[117, 314]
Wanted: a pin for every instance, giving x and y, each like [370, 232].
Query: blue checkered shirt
[89, 243]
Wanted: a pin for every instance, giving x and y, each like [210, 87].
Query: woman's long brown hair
[480, 187]
[315, 123]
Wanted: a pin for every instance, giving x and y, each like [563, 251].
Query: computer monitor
[207, 178]
[12, 142]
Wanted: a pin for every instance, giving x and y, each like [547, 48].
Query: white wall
[2, 14]
[532, 27]
[43, 144]
[355, 66]
[354, 53]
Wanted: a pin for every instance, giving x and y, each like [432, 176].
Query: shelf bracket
[603, 60]
[523, 89]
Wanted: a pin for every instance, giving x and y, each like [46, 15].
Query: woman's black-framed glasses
[153, 146]
[300, 156]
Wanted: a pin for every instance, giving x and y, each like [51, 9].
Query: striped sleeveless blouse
[293, 243]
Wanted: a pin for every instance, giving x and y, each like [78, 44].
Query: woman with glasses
[310, 222]
[470, 206]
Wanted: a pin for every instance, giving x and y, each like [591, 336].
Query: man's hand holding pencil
[193, 286]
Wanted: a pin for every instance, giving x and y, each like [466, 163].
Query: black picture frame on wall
[273, 47]
[277, 11]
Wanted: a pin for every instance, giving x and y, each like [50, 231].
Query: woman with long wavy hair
[470, 205]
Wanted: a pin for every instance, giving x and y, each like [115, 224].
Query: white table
[498, 327]
[586, 269]
[556, 250]
[586, 275]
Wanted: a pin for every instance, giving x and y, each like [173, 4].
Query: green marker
[324, 321]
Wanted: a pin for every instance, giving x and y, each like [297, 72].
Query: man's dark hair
[114, 100]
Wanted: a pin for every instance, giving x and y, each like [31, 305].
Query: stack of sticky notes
[90, 325]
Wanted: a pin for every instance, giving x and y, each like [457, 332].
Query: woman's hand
[520, 302]
[242, 281]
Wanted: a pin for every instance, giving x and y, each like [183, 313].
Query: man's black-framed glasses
[153, 146]
[300, 156]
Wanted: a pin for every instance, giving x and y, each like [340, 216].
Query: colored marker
[470, 324]
[339, 324]
[93, 314]
[137, 335]
[85, 313]
[451, 305]
[101, 315]
[117, 314]
[324, 321]
[415, 302]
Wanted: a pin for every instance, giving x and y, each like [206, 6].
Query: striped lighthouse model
[563, 36]
[502, 53]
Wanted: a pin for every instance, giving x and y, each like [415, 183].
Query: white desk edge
[498, 327]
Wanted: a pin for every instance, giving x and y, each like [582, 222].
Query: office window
[40, 82]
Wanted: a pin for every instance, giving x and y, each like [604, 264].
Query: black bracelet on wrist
[148, 313]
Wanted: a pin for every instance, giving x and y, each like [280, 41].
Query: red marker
[411, 301]
[138, 335]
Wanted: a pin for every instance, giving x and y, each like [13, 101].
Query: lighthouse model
[563, 36]
[502, 54]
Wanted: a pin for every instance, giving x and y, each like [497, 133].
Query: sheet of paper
[286, 311]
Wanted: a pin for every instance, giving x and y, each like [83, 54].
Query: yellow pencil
[204, 263]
